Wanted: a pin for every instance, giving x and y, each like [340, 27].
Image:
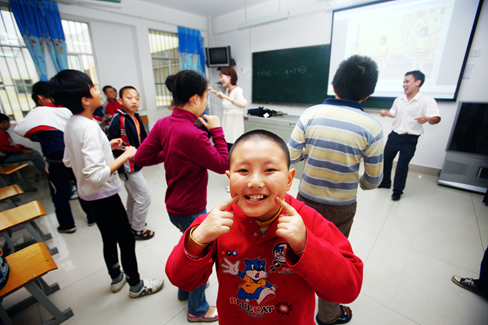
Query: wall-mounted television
[219, 57]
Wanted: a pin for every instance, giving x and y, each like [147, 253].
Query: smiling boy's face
[258, 174]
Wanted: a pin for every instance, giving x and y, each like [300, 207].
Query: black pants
[406, 145]
[482, 282]
[114, 226]
[59, 177]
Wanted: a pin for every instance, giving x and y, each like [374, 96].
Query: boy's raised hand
[210, 121]
[217, 222]
[291, 227]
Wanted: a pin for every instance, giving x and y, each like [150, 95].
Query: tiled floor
[410, 249]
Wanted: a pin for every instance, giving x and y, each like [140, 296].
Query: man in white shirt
[410, 111]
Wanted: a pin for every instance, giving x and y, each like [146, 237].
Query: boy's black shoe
[383, 186]
[468, 284]
[345, 317]
[396, 196]
[68, 230]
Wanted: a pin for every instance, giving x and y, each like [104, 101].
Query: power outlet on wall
[475, 53]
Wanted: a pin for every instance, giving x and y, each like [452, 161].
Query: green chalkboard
[291, 76]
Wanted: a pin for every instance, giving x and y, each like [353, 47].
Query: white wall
[309, 24]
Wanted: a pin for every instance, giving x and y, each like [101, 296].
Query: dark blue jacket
[131, 138]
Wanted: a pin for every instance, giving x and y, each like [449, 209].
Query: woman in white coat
[233, 103]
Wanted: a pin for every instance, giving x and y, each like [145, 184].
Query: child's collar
[266, 224]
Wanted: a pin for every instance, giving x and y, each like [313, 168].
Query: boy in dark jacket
[127, 125]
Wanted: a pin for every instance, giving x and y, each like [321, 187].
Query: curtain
[39, 21]
[54, 35]
[190, 48]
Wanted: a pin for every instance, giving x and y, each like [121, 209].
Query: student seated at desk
[11, 152]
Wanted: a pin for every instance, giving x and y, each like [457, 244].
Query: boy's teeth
[255, 197]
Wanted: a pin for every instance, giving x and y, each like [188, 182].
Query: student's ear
[85, 101]
[119, 100]
[291, 175]
[195, 100]
[418, 82]
[227, 172]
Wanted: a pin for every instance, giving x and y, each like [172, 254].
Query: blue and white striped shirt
[332, 138]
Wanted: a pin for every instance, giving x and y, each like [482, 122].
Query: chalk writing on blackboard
[264, 73]
[300, 70]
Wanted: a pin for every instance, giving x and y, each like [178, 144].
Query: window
[79, 48]
[165, 61]
[23, 86]
[18, 72]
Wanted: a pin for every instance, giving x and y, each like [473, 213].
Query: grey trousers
[342, 217]
[138, 199]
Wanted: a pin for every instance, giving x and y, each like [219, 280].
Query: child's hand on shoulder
[291, 227]
[217, 222]
[212, 121]
[130, 152]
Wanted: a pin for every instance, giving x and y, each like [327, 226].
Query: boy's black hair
[417, 75]
[4, 117]
[68, 87]
[187, 84]
[121, 91]
[39, 88]
[104, 89]
[356, 78]
[170, 82]
[262, 135]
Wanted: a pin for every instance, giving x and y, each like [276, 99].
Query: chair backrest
[27, 265]
[21, 214]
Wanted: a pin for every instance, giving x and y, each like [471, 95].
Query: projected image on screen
[405, 35]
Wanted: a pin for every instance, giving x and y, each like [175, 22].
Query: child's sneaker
[345, 317]
[468, 284]
[210, 316]
[116, 287]
[149, 287]
[67, 230]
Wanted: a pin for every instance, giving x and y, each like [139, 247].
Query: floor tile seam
[81, 279]
[423, 253]
[477, 219]
[378, 234]
[155, 256]
[444, 220]
[175, 316]
[390, 308]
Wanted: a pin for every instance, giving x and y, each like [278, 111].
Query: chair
[26, 268]
[20, 218]
[10, 170]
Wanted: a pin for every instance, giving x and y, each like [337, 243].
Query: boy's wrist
[192, 237]
[192, 246]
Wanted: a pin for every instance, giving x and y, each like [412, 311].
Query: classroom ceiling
[209, 8]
